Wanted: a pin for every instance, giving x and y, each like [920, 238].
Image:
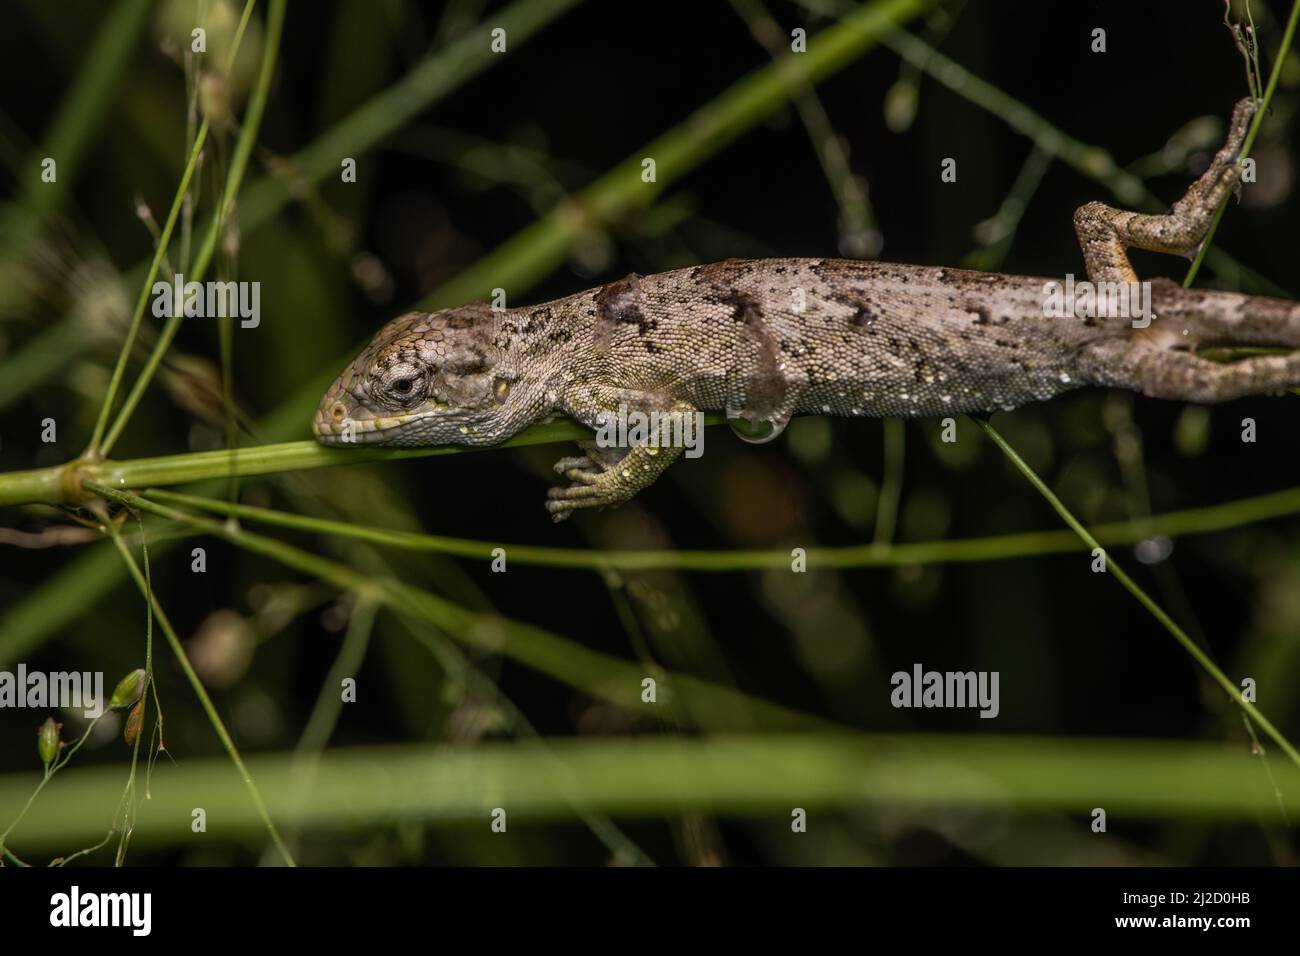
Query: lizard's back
[765, 339]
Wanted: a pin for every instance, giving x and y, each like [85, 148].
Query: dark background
[1077, 655]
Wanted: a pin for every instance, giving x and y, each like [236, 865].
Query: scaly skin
[767, 339]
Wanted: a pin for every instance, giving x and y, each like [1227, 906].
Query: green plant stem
[1203, 659]
[58, 484]
[243, 149]
[600, 675]
[1283, 51]
[891, 482]
[439, 74]
[759, 777]
[540, 247]
[60, 761]
[1228, 515]
[329, 702]
[205, 701]
[476, 681]
[146, 290]
[162, 243]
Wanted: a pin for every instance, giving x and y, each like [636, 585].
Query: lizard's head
[427, 378]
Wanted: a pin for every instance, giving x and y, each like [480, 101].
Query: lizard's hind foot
[1105, 232]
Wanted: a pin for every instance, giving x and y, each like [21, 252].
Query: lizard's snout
[332, 420]
[343, 419]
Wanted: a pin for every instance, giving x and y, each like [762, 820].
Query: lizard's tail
[1227, 318]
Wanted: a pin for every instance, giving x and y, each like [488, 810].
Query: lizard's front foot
[601, 479]
[587, 489]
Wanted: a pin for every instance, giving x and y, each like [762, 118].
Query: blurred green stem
[83, 110]
[760, 777]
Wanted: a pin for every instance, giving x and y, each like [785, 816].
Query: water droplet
[1153, 550]
[1065, 378]
[756, 432]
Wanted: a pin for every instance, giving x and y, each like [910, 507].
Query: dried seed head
[133, 722]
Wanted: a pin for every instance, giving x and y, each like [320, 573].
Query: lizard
[762, 340]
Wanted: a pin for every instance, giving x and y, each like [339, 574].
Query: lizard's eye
[404, 387]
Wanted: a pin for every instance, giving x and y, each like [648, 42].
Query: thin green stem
[60, 761]
[162, 243]
[891, 484]
[1287, 37]
[455, 662]
[329, 702]
[243, 149]
[439, 74]
[1231, 514]
[160, 250]
[1091, 161]
[608, 678]
[205, 701]
[1189, 645]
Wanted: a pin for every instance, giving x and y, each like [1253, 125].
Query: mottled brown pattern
[770, 338]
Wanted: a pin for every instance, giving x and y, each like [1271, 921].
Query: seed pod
[47, 740]
[128, 690]
[133, 722]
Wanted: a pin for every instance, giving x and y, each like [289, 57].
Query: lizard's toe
[581, 476]
[565, 465]
[562, 507]
[573, 492]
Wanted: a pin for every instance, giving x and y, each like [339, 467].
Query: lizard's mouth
[336, 424]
